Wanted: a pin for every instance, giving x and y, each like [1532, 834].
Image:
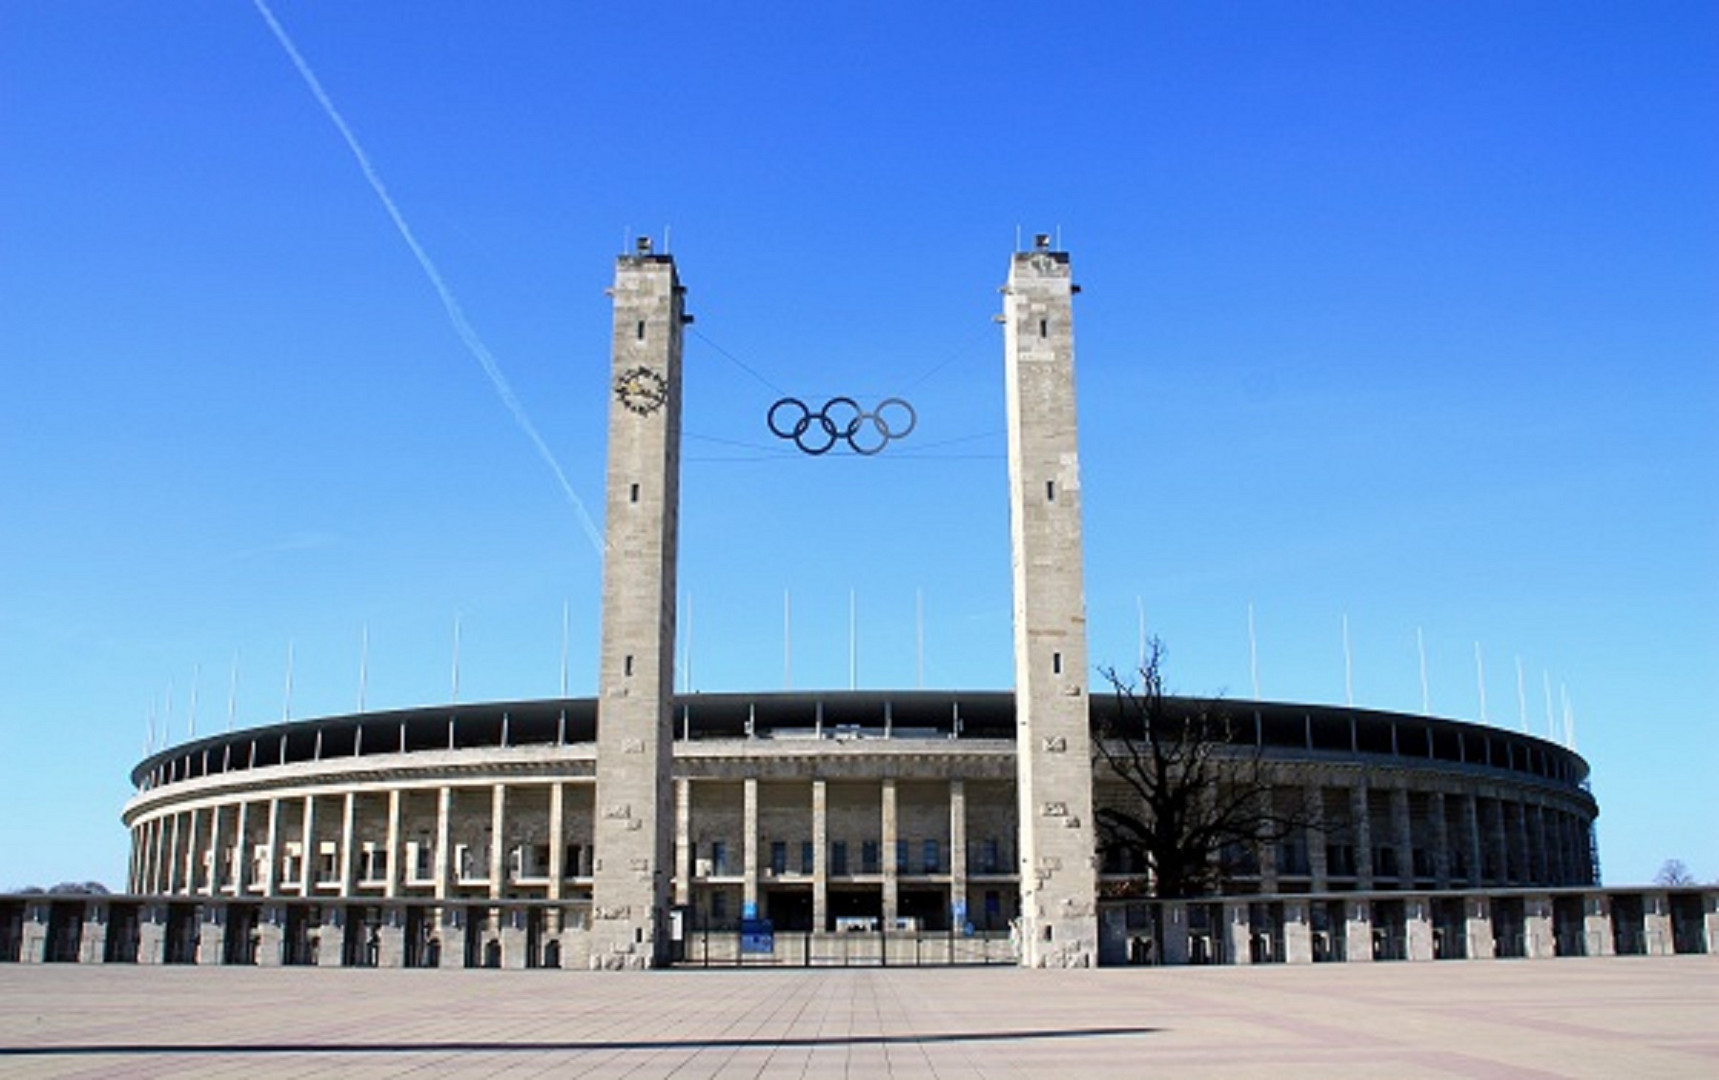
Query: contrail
[457, 317]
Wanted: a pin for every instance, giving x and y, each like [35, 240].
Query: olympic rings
[842, 420]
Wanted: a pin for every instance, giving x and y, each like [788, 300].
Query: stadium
[640, 827]
[842, 815]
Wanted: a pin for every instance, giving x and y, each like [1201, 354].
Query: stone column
[1362, 812]
[192, 851]
[683, 842]
[1540, 860]
[241, 857]
[958, 854]
[1500, 842]
[392, 878]
[891, 871]
[557, 838]
[749, 854]
[630, 891]
[1318, 864]
[1440, 839]
[820, 856]
[348, 812]
[212, 856]
[498, 862]
[444, 811]
[1059, 881]
[1403, 837]
[271, 849]
[1471, 830]
[308, 869]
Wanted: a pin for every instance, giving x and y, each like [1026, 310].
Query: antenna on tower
[191, 717]
[233, 692]
[363, 664]
[1426, 692]
[1551, 721]
[456, 680]
[564, 616]
[1521, 696]
[1480, 677]
[1348, 666]
[286, 700]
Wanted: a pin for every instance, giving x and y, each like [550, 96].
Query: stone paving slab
[1629, 1016]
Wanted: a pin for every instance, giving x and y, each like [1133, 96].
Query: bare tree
[1673, 872]
[1201, 792]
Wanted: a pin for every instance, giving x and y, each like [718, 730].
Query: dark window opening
[633, 494]
[1050, 490]
[641, 330]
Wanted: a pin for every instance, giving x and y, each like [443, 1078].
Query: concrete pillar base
[269, 940]
[1358, 932]
[1478, 925]
[1297, 934]
[1238, 934]
[391, 946]
[1419, 929]
[1538, 939]
[1174, 922]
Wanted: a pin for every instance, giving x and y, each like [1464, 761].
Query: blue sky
[1408, 314]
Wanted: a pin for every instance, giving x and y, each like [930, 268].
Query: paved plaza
[1637, 1017]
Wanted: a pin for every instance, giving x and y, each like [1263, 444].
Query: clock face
[641, 390]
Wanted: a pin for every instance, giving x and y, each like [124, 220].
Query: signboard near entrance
[757, 936]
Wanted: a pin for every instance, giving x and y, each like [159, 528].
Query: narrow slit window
[633, 493]
[629, 665]
[641, 330]
[1044, 328]
[1056, 663]
[1050, 491]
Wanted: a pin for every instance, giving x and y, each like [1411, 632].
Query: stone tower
[1059, 923]
[632, 841]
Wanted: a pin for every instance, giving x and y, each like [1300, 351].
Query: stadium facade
[622, 831]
